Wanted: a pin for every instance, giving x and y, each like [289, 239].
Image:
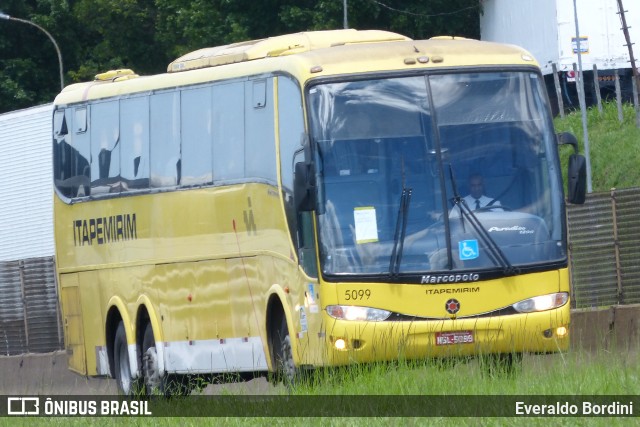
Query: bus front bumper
[355, 342]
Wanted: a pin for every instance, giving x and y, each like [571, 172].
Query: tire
[285, 367]
[124, 379]
[501, 365]
[156, 384]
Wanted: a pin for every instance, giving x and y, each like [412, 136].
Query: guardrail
[604, 247]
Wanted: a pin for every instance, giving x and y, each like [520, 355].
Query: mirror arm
[567, 138]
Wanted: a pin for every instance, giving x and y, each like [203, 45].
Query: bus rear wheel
[124, 379]
[154, 382]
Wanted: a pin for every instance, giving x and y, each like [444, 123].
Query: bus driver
[476, 199]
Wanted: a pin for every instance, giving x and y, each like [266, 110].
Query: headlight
[542, 303]
[350, 312]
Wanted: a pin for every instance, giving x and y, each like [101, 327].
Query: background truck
[547, 29]
[29, 310]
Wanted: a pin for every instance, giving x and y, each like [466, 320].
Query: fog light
[560, 331]
[340, 344]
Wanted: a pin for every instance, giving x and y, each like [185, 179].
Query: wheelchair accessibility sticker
[468, 249]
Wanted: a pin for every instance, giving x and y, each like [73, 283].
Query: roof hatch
[115, 75]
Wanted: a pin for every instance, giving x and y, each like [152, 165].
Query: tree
[146, 35]
[29, 62]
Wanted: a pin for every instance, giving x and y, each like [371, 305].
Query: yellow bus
[301, 201]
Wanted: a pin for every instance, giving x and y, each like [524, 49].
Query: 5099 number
[357, 294]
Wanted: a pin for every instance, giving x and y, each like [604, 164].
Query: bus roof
[305, 55]
[278, 46]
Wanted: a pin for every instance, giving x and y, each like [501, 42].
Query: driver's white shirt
[471, 203]
[484, 201]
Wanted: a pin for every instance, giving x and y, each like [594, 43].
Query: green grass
[559, 374]
[574, 373]
[614, 146]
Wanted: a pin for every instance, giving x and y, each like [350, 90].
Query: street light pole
[345, 19]
[581, 100]
[11, 18]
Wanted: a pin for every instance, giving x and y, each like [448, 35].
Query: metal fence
[29, 308]
[604, 240]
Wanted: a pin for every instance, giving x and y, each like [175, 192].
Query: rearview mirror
[303, 187]
[567, 138]
[577, 173]
[577, 176]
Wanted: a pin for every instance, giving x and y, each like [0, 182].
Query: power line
[406, 12]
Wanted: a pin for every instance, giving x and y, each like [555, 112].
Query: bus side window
[196, 131]
[307, 244]
[165, 134]
[259, 130]
[134, 134]
[81, 119]
[228, 131]
[105, 147]
[62, 153]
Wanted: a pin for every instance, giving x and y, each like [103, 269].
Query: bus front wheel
[286, 370]
[501, 365]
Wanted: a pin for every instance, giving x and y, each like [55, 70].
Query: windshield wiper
[495, 253]
[401, 230]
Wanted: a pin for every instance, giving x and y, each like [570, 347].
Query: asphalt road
[47, 374]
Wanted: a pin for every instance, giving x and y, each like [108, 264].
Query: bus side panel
[72, 320]
[199, 323]
[212, 319]
[194, 305]
[176, 286]
[245, 289]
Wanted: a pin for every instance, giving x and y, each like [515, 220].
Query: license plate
[449, 338]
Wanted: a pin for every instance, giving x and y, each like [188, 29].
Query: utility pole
[634, 68]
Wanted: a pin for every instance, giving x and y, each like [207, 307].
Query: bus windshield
[436, 173]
